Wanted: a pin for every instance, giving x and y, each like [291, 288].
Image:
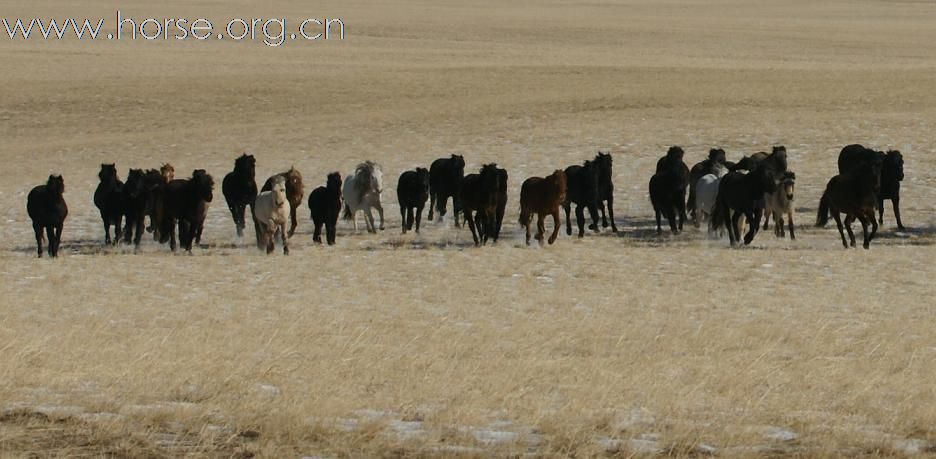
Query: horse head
[294, 181]
[559, 180]
[422, 177]
[779, 158]
[604, 161]
[590, 171]
[167, 172]
[717, 156]
[765, 178]
[204, 184]
[108, 173]
[333, 182]
[459, 162]
[246, 166]
[135, 185]
[55, 185]
[894, 163]
[278, 190]
[675, 154]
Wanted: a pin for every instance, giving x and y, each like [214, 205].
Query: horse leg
[753, 219]
[471, 225]
[611, 213]
[866, 241]
[139, 231]
[734, 233]
[849, 218]
[369, 219]
[50, 233]
[293, 221]
[107, 238]
[880, 206]
[403, 212]
[419, 211]
[681, 207]
[38, 230]
[790, 224]
[379, 207]
[330, 231]
[541, 228]
[896, 203]
[841, 230]
[432, 201]
[117, 229]
[568, 211]
[580, 219]
[557, 221]
[671, 218]
[58, 239]
[285, 239]
[601, 210]
[526, 224]
[270, 238]
[874, 228]
[767, 220]
[658, 221]
[317, 232]
[593, 212]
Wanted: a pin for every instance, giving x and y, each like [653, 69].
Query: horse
[852, 193]
[502, 178]
[166, 174]
[361, 191]
[582, 190]
[780, 203]
[138, 200]
[325, 206]
[412, 194]
[47, 210]
[776, 160]
[445, 179]
[294, 192]
[668, 189]
[605, 189]
[715, 159]
[479, 193]
[851, 158]
[109, 199]
[240, 190]
[706, 190]
[542, 196]
[185, 201]
[891, 175]
[271, 211]
[743, 193]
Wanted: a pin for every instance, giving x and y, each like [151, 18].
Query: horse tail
[347, 212]
[822, 215]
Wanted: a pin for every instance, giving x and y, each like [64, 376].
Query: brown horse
[167, 172]
[294, 192]
[542, 196]
[479, 197]
[853, 193]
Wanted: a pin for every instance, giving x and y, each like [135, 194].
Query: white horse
[361, 191]
[707, 191]
[780, 202]
[271, 209]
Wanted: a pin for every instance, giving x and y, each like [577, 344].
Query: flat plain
[422, 345]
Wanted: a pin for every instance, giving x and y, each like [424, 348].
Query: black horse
[743, 194]
[324, 207]
[138, 201]
[185, 201]
[582, 182]
[502, 178]
[716, 156]
[605, 189]
[445, 180]
[668, 189]
[412, 194]
[47, 210]
[109, 199]
[478, 199]
[891, 175]
[853, 193]
[240, 190]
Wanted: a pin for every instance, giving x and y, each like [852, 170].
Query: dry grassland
[626, 344]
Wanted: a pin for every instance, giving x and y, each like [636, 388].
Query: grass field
[388, 345]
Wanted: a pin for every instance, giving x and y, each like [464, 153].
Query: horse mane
[365, 176]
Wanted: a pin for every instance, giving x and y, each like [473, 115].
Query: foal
[47, 210]
[780, 203]
[294, 193]
[271, 212]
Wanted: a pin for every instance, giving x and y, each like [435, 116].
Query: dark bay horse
[854, 194]
[294, 193]
[478, 198]
[185, 202]
[412, 194]
[605, 189]
[445, 179]
[47, 210]
[109, 199]
[240, 190]
[668, 189]
[325, 207]
[582, 182]
[892, 174]
[744, 194]
[139, 198]
[542, 196]
[502, 178]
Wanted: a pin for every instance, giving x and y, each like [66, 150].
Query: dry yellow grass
[419, 345]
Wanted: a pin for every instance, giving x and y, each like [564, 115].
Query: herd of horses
[730, 196]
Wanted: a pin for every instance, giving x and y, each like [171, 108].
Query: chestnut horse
[542, 196]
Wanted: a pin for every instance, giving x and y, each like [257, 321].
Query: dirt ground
[421, 345]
